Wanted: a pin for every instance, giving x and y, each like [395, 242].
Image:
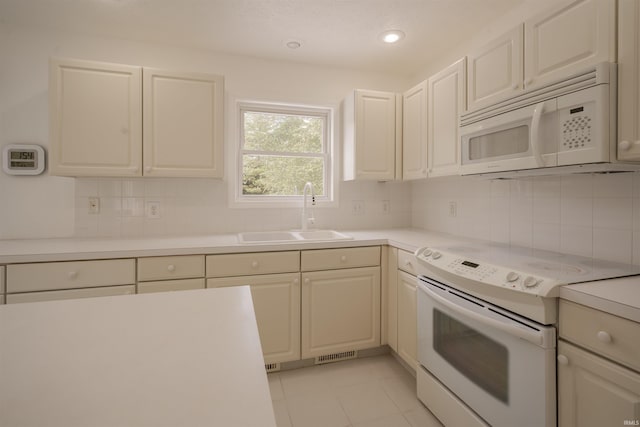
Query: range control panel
[442, 261]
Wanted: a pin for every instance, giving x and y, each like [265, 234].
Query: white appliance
[486, 335]
[569, 122]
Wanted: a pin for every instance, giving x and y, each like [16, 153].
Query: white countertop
[188, 358]
[616, 296]
[42, 250]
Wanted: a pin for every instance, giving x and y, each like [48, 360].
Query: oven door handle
[531, 336]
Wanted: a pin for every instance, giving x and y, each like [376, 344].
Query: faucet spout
[307, 218]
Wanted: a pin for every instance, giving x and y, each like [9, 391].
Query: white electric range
[486, 334]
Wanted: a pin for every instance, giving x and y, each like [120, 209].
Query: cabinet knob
[604, 337]
[624, 145]
[563, 360]
[343, 258]
[171, 267]
[307, 281]
[528, 82]
[73, 275]
[515, 86]
[296, 281]
[407, 263]
[147, 169]
[255, 264]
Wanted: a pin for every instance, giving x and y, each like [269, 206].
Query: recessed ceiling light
[392, 36]
[293, 44]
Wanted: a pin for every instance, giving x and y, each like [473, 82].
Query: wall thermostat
[23, 159]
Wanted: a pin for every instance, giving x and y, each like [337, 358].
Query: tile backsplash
[200, 206]
[594, 215]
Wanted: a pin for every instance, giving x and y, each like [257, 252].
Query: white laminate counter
[44, 250]
[620, 297]
[188, 358]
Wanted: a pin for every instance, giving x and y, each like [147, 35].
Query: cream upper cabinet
[629, 80]
[414, 132]
[372, 139]
[495, 71]
[446, 100]
[568, 39]
[95, 119]
[99, 112]
[183, 124]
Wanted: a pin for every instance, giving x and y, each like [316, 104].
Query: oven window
[502, 143]
[482, 360]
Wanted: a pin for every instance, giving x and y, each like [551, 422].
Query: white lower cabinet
[594, 392]
[276, 301]
[407, 319]
[107, 291]
[340, 310]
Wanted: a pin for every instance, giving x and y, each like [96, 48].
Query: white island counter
[168, 359]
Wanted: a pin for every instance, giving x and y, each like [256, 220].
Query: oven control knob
[512, 276]
[530, 282]
[427, 252]
[436, 255]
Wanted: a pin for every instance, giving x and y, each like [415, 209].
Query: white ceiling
[332, 32]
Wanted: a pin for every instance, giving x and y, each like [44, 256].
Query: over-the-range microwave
[567, 123]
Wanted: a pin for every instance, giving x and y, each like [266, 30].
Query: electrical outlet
[386, 207]
[453, 209]
[153, 209]
[94, 205]
[357, 207]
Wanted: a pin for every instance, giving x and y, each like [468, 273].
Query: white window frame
[330, 177]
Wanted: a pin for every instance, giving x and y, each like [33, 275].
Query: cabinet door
[183, 124]
[446, 97]
[95, 119]
[407, 319]
[629, 80]
[414, 133]
[340, 311]
[570, 38]
[276, 301]
[370, 135]
[594, 392]
[495, 71]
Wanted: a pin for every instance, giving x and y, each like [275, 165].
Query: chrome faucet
[307, 219]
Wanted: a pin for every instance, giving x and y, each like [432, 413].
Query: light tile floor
[369, 392]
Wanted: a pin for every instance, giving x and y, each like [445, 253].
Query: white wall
[48, 206]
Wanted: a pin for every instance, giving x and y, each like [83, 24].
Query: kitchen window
[281, 147]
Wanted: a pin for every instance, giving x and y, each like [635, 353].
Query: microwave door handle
[535, 134]
[531, 336]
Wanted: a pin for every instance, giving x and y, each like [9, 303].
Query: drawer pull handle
[255, 264]
[171, 268]
[343, 258]
[407, 263]
[73, 275]
[562, 359]
[604, 337]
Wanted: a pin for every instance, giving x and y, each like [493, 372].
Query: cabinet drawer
[170, 267]
[170, 285]
[71, 294]
[253, 263]
[70, 275]
[407, 262]
[332, 259]
[604, 333]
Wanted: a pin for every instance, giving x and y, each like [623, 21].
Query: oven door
[525, 138]
[499, 364]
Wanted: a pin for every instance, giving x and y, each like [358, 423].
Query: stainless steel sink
[265, 237]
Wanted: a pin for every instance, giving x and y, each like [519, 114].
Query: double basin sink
[291, 236]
